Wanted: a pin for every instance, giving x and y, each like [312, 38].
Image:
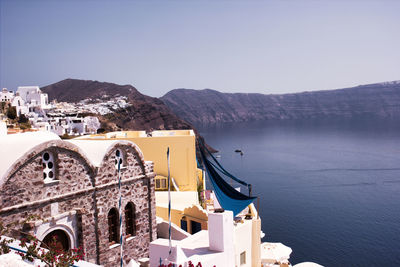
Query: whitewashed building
[19, 105]
[227, 242]
[59, 118]
[6, 96]
[34, 97]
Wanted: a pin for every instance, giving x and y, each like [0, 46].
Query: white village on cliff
[126, 198]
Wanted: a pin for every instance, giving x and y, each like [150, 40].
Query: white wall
[220, 235]
[44, 100]
[92, 124]
[6, 96]
[3, 128]
[33, 96]
[243, 241]
[25, 91]
[19, 105]
[176, 232]
[179, 200]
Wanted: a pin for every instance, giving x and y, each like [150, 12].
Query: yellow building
[186, 177]
[182, 146]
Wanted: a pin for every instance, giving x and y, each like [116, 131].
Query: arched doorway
[56, 239]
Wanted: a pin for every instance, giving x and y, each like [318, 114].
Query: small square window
[164, 183]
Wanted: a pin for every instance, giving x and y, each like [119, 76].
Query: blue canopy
[228, 197]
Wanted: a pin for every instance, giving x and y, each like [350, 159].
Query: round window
[46, 156]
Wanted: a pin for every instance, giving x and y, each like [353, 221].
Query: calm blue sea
[329, 190]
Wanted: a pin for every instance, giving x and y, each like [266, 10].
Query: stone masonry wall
[73, 188]
[91, 191]
[26, 184]
[135, 189]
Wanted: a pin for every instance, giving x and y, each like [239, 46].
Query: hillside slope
[145, 113]
[202, 107]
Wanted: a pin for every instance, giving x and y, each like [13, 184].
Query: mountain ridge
[208, 106]
[74, 90]
[145, 113]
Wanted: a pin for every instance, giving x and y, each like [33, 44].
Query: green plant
[25, 125]
[3, 106]
[23, 119]
[12, 113]
[66, 136]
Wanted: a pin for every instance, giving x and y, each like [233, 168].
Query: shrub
[52, 255]
[12, 113]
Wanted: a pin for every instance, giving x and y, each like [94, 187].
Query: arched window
[113, 226]
[48, 166]
[130, 219]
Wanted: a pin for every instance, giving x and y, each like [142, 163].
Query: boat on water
[239, 151]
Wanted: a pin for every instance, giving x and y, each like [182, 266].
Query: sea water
[329, 190]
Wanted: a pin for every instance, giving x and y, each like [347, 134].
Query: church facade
[72, 188]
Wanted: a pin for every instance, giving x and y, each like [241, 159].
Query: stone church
[72, 186]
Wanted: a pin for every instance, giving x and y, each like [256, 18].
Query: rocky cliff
[145, 112]
[202, 107]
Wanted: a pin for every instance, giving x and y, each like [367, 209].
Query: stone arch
[37, 150]
[44, 231]
[119, 145]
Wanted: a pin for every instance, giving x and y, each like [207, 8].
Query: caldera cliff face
[202, 107]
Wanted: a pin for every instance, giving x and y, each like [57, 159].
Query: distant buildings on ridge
[60, 118]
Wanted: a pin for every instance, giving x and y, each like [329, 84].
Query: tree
[12, 113]
[3, 106]
[23, 119]
[101, 130]
[23, 122]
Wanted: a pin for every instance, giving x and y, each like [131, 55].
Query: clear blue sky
[230, 46]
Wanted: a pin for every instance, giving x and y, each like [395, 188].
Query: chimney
[220, 234]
